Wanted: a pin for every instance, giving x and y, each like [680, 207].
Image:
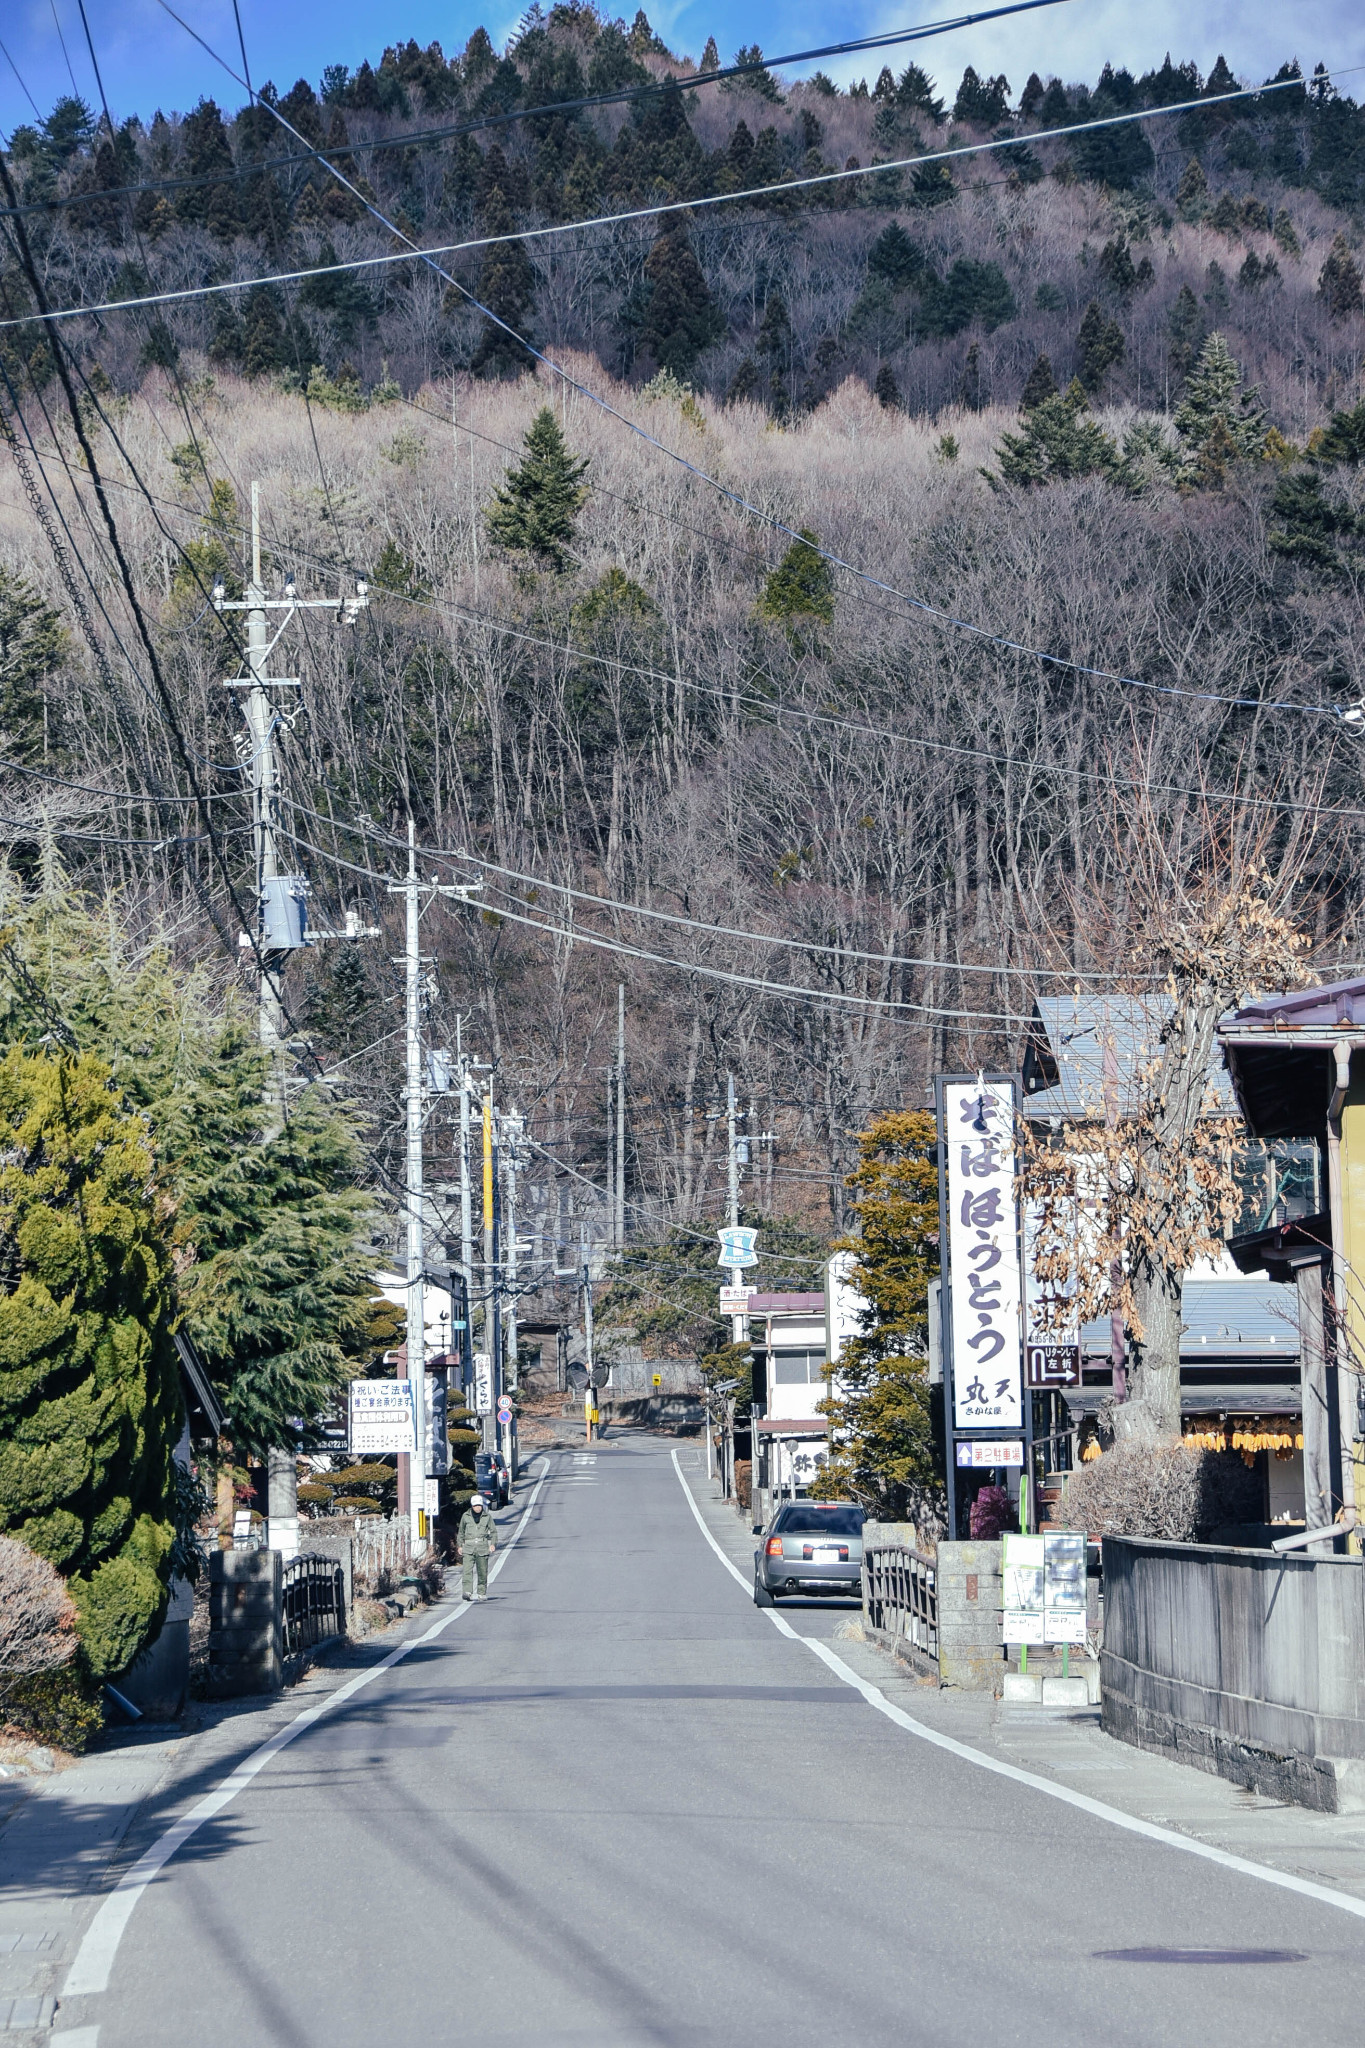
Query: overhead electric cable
[770, 707]
[918, 604]
[413, 253]
[578, 935]
[586, 896]
[551, 109]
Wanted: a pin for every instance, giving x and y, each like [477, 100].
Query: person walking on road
[476, 1537]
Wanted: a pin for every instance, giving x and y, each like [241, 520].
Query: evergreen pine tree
[1309, 527]
[1040, 384]
[915, 93]
[33, 645]
[1058, 443]
[1192, 193]
[265, 344]
[884, 1450]
[507, 286]
[680, 317]
[886, 390]
[710, 56]
[1031, 98]
[1339, 280]
[535, 511]
[271, 1228]
[801, 588]
[1217, 421]
[1186, 327]
[89, 1392]
[1101, 345]
[1342, 439]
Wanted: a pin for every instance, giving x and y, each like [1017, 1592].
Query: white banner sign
[983, 1255]
[381, 1416]
[483, 1383]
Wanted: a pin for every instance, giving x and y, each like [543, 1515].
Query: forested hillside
[1093, 398]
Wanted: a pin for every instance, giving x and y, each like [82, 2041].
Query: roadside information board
[380, 1416]
[431, 1496]
[1043, 1587]
[983, 1247]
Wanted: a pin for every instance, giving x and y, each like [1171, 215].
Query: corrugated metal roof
[1089, 1034]
[1252, 1319]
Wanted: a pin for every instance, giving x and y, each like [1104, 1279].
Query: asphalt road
[616, 1806]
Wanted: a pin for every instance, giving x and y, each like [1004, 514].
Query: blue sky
[148, 62]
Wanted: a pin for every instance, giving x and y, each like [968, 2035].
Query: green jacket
[477, 1533]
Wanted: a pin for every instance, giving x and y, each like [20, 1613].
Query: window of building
[797, 1368]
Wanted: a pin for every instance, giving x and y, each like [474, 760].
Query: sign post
[987, 1410]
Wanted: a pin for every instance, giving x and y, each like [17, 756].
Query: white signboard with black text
[483, 1383]
[983, 1254]
[380, 1417]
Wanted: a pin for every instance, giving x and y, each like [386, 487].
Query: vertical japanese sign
[983, 1255]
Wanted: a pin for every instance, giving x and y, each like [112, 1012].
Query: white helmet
[477, 1501]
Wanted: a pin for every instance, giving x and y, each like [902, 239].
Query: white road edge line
[94, 1958]
[1264, 1872]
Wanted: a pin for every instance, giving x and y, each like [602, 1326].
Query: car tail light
[774, 1546]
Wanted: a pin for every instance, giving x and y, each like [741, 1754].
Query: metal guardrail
[314, 1603]
[900, 1594]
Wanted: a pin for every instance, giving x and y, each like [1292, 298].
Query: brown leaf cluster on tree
[37, 1615]
[1129, 1198]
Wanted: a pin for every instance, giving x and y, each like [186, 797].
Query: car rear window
[806, 1519]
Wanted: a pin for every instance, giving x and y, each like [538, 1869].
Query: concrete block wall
[969, 1592]
[246, 1623]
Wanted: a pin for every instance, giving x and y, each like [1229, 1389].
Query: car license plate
[824, 1556]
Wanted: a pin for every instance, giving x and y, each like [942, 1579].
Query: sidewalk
[66, 1838]
[1069, 1746]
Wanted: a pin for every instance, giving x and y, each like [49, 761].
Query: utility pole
[590, 1396]
[282, 921]
[281, 918]
[414, 1195]
[737, 1322]
[490, 1283]
[511, 1132]
[619, 1219]
[611, 1156]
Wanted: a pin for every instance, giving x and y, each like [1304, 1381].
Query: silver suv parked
[810, 1547]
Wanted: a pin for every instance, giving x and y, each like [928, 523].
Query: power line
[551, 109]
[921, 605]
[800, 945]
[573, 935]
[654, 211]
[768, 707]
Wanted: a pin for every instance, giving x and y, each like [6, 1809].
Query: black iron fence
[314, 1604]
[900, 1594]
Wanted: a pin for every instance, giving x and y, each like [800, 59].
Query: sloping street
[616, 1804]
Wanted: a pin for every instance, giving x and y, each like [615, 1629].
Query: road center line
[1263, 1872]
[94, 1958]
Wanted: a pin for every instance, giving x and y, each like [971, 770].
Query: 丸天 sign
[737, 1246]
[983, 1254]
[483, 1383]
[380, 1416]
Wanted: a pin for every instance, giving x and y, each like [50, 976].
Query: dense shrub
[60, 1707]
